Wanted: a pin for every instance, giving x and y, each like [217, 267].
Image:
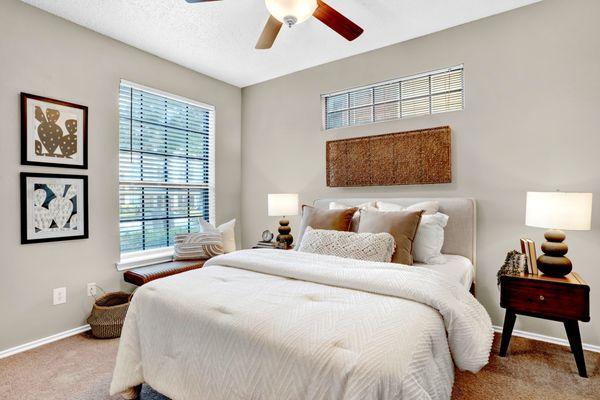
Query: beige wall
[530, 123]
[46, 55]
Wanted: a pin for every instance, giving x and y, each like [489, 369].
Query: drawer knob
[542, 298]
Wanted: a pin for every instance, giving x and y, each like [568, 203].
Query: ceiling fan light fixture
[291, 12]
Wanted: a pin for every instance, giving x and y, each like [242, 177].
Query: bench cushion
[141, 275]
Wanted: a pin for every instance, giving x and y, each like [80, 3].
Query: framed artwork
[53, 207]
[417, 157]
[53, 132]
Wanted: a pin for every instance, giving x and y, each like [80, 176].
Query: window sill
[144, 258]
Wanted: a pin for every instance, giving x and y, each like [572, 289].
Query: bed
[460, 233]
[272, 324]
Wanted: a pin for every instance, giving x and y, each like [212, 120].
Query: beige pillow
[359, 246]
[429, 207]
[318, 218]
[369, 206]
[402, 225]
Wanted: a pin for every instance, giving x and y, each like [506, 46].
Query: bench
[142, 275]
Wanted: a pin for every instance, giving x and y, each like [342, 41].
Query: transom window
[166, 166]
[430, 93]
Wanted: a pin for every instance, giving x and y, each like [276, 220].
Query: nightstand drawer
[546, 299]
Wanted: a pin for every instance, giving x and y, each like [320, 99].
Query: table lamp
[557, 211]
[282, 205]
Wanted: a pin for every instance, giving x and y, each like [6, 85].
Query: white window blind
[166, 166]
[430, 93]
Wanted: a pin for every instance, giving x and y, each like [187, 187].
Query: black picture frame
[24, 207]
[25, 137]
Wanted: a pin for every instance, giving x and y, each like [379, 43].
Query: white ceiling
[218, 38]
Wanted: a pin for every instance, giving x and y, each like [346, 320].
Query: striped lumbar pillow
[198, 246]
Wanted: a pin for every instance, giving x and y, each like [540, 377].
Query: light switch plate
[59, 296]
[91, 289]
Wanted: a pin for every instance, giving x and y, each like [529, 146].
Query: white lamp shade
[283, 204]
[559, 210]
[300, 9]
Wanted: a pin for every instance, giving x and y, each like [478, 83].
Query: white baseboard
[40, 342]
[548, 339]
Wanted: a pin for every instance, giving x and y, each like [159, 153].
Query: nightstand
[269, 245]
[559, 299]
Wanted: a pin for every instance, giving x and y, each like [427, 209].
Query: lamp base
[285, 238]
[553, 262]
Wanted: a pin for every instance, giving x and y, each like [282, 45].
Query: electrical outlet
[59, 296]
[92, 289]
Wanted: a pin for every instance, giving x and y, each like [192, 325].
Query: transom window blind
[429, 93]
[166, 166]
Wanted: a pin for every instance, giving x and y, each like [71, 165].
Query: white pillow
[206, 226]
[227, 230]
[429, 207]
[427, 247]
[360, 246]
[370, 206]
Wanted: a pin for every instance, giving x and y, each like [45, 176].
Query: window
[166, 167]
[430, 93]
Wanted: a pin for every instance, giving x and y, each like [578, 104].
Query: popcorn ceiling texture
[218, 38]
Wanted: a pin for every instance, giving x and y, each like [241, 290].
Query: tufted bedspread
[271, 324]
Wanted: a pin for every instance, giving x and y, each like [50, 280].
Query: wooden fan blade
[269, 33]
[337, 21]
[199, 1]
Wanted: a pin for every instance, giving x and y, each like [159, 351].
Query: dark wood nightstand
[559, 299]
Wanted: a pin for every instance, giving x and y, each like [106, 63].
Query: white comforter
[271, 324]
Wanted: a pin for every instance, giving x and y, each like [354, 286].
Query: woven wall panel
[404, 158]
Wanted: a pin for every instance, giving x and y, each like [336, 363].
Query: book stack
[264, 245]
[528, 248]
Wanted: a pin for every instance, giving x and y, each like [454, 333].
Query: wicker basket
[108, 314]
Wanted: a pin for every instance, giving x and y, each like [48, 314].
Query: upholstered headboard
[460, 233]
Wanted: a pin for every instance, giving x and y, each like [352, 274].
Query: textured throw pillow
[402, 225]
[427, 247]
[369, 206]
[227, 230]
[317, 218]
[360, 246]
[428, 207]
[198, 246]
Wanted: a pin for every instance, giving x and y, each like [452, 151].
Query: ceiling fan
[292, 12]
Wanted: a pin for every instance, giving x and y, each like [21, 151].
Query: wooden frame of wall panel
[404, 158]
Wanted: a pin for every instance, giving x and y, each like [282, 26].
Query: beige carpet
[80, 367]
